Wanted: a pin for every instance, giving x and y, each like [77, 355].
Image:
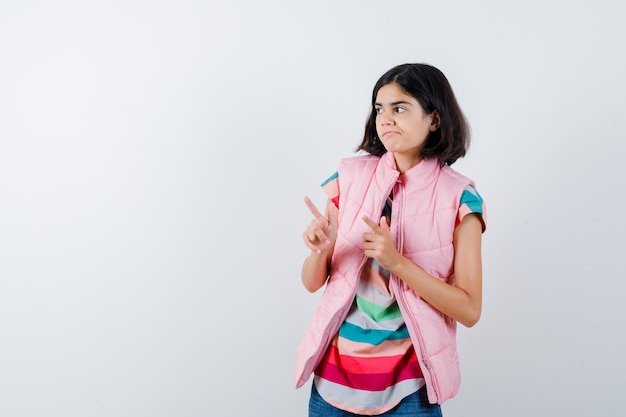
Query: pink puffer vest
[424, 212]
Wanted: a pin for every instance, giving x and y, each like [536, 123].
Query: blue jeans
[415, 405]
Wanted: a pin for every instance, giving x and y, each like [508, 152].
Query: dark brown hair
[432, 90]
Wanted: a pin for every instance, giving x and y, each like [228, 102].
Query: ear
[435, 121]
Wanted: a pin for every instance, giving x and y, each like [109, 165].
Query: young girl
[399, 250]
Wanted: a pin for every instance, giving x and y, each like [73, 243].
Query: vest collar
[416, 178]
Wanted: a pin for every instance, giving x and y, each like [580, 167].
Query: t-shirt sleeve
[471, 202]
[331, 188]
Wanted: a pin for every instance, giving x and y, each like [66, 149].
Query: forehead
[393, 92]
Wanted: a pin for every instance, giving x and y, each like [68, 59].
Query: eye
[400, 109]
[378, 110]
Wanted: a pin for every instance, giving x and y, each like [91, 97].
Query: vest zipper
[399, 208]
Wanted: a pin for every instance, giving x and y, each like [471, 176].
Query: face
[402, 125]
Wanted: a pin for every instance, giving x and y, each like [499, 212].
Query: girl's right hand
[321, 233]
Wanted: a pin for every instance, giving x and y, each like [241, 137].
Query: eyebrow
[395, 103]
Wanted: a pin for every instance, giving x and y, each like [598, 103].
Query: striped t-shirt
[370, 365]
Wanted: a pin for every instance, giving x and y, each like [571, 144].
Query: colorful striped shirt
[370, 365]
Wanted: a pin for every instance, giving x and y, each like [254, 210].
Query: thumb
[384, 223]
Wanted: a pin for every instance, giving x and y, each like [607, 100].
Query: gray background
[153, 160]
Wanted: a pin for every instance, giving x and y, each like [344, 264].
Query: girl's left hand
[379, 244]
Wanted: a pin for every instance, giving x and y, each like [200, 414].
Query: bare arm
[462, 301]
[320, 237]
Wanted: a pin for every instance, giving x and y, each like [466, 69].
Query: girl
[399, 250]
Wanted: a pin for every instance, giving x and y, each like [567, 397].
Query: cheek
[377, 131]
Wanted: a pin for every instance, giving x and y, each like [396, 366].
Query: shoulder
[472, 199]
[456, 176]
[357, 166]
[339, 182]
[359, 160]
[472, 202]
[350, 163]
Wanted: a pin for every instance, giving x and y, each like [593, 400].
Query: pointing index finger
[371, 223]
[314, 211]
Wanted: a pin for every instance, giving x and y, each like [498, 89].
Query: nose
[385, 118]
